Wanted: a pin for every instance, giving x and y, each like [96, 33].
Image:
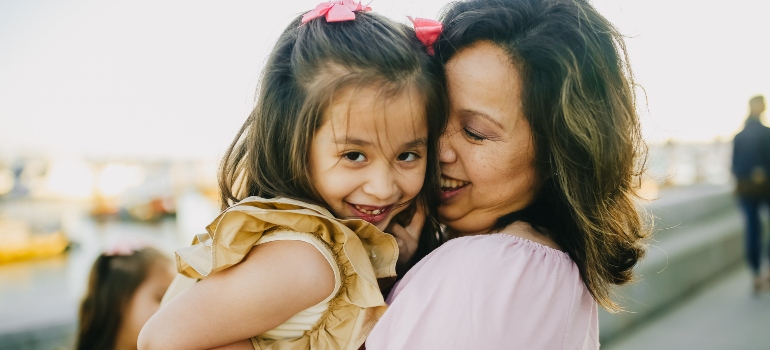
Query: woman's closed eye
[355, 156]
[474, 135]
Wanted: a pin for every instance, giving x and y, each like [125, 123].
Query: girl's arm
[275, 281]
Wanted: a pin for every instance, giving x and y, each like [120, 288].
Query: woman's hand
[406, 228]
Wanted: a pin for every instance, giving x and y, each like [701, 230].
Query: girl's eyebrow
[348, 141]
[422, 141]
[419, 142]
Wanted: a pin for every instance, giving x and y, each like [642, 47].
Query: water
[39, 298]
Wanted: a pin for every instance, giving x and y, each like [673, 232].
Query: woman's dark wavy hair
[578, 97]
[111, 284]
[308, 65]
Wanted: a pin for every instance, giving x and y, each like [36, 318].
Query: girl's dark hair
[308, 65]
[578, 97]
[111, 284]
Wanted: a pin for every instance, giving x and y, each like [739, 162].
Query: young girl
[124, 289]
[340, 133]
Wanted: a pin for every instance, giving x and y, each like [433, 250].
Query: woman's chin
[464, 223]
[447, 216]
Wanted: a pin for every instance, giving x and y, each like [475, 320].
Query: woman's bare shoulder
[526, 231]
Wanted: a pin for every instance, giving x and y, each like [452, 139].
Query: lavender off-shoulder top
[494, 291]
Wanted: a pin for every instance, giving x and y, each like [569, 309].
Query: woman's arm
[275, 281]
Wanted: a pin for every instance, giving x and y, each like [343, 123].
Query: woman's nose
[446, 153]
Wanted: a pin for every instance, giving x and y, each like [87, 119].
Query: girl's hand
[406, 228]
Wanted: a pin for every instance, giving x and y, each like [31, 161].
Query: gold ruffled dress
[358, 252]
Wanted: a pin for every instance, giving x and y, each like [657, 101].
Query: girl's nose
[381, 184]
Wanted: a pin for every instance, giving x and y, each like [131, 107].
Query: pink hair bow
[427, 30]
[124, 247]
[336, 11]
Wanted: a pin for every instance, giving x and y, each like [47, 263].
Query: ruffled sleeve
[363, 253]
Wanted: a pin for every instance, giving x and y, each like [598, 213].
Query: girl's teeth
[370, 212]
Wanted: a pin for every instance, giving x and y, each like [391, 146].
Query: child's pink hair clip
[336, 11]
[428, 31]
[124, 248]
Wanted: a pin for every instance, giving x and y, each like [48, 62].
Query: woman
[539, 161]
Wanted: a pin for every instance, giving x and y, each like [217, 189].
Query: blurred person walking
[751, 167]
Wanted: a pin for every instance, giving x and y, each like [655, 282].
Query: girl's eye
[473, 136]
[355, 156]
[408, 157]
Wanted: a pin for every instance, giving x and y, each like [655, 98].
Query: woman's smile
[451, 187]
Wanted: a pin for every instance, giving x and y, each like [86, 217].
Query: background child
[346, 127]
[124, 289]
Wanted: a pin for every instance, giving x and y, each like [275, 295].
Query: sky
[159, 79]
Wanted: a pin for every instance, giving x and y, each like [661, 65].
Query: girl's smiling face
[368, 158]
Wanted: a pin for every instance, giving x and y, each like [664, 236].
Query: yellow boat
[20, 243]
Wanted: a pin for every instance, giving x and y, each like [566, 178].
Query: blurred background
[113, 117]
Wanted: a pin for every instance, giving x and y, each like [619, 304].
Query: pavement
[723, 315]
